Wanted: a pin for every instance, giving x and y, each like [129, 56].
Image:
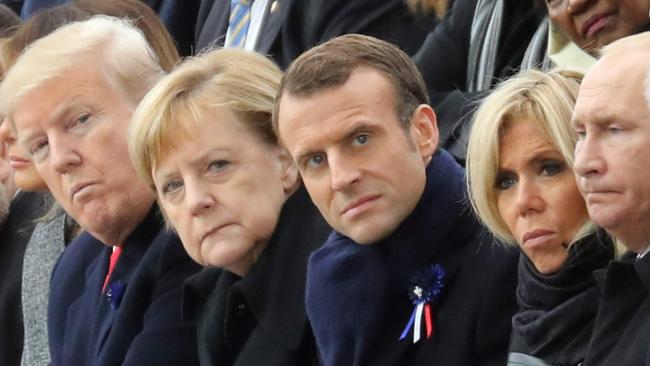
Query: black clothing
[557, 311]
[297, 25]
[621, 333]
[136, 320]
[16, 230]
[444, 57]
[358, 295]
[260, 319]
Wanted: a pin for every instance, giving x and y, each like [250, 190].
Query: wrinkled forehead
[48, 102]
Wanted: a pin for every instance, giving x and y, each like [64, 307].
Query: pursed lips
[212, 231]
[78, 187]
[359, 202]
[595, 19]
[529, 237]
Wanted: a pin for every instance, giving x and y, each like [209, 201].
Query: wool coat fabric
[25, 209]
[138, 319]
[43, 250]
[260, 319]
[621, 333]
[557, 311]
[358, 295]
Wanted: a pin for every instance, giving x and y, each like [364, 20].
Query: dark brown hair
[330, 65]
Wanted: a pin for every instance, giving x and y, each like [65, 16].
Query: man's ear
[424, 131]
[289, 171]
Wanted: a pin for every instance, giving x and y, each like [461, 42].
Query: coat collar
[274, 288]
[623, 273]
[436, 229]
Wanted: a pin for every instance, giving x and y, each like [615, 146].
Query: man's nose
[63, 155]
[588, 158]
[343, 172]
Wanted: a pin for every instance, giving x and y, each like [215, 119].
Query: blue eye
[551, 168]
[580, 133]
[505, 182]
[218, 165]
[360, 139]
[38, 148]
[315, 161]
[614, 129]
[171, 186]
[83, 118]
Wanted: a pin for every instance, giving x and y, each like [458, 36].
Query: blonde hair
[127, 60]
[246, 83]
[548, 98]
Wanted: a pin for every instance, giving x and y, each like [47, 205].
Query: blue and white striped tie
[240, 18]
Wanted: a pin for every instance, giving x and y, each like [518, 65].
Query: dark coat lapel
[273, 19]
[133, 251]
[213, 32]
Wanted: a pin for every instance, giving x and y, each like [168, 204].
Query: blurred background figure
[522, 187]
[178, 16]
[203, 139]
[19, 211]
[284, 29]
[487, 41]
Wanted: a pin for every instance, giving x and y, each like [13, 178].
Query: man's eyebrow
[64, 108]
[363, 126]
[60, 111]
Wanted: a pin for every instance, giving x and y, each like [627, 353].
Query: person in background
[578, 30]
[497, 38]
[19, 211]
[179, 17]
[612, 121]
[203, 140]
[408, 276]
[284, 29]
[56, 229]
[115, 291]
[522, 187]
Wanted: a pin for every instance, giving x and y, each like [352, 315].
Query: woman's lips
[536, 237]
[17, 162]
[595, 24]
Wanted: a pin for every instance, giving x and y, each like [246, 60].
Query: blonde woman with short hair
[523, 188]
[203, 140]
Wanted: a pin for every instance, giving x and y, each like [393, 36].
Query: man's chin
[368, 235]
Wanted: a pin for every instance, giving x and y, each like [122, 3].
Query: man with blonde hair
[115, 291]
[612, 120]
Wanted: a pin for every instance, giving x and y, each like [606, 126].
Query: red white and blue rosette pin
[424, 292]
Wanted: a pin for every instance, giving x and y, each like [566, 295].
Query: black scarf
[557, 311]
[352, 289]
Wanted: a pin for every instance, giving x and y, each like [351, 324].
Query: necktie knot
[240, 15]
[244, 3]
